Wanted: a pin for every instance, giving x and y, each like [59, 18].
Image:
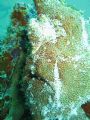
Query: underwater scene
[44, 59]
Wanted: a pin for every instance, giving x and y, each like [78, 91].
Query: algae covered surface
[45, 62]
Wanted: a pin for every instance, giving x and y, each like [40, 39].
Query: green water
[83, 5]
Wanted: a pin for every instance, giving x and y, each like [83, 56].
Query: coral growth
[12, 63]
[45, 68]
[58, 40]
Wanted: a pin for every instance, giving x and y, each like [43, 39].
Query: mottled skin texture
[72, 59]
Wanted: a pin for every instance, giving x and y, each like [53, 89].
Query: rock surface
[60, 57]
